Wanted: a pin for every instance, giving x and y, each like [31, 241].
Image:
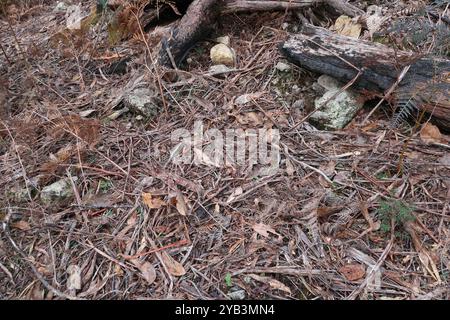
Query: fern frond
[407, 107]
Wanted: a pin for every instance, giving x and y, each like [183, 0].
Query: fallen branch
[324, 52]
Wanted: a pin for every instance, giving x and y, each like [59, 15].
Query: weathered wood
[193, 26]
[234, 6]
[324, 52]
[201, 15]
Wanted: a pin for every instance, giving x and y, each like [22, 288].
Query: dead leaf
[181, 204]
[237, 192]
[173, 267]
[274, 284]
[74, 279]
[346, 26]
[263, 230]
[147, 270]
[353, 272]
[430, 134]
[21, 225]
[151, 201]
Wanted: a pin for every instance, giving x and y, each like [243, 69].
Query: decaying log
[201, 15]
[233, 6]
[427, 79]
[341, 6]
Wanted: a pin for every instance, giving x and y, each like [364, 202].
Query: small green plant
[105, 185]
[228, 280]
[398, 210]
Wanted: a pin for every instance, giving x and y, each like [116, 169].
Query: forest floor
[358, 213]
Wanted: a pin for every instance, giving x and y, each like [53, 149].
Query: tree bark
[193, 26]
[234, 6]
[427, 79]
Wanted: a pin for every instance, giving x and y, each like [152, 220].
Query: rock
[60, 7]
[222, 54]
[296, 89]
[143, 101]
[237, 295]
[283, 67]
[339, 111]
[298, 104]
[57, 191]
[218, 69]
[224, 40]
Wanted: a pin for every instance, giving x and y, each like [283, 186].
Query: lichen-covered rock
[340, 110]
[144, 101]
[222, 54]
[57, 191]
[283, 67]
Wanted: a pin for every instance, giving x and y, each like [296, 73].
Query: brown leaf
[173, 267]
[353, 272]
[181, 204]
[430, 134]
[21, 225]
[263, 229]
[147, 270]
[236, 193]
[151, 201]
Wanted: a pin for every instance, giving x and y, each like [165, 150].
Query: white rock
[283, 67]
[222, 54]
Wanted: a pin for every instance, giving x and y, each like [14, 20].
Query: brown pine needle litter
[336, 220]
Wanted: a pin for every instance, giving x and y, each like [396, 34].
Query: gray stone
[299, 104]
[60, 7]
[144, 101]
[57, 191]
[237, 295]
[283, 67]
[340, 110]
